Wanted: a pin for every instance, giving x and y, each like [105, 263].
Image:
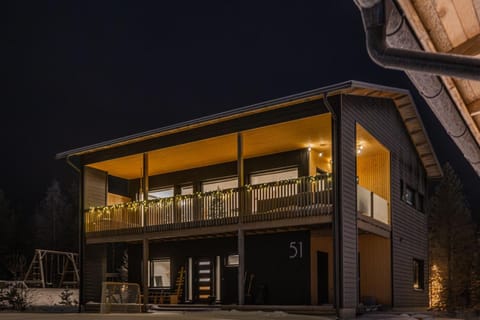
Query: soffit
[413, 124]
[451, 26]
[314, 132]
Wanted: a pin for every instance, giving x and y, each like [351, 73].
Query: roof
[451, 27]
[402, 99]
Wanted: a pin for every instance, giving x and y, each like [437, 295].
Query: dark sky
[81, 72]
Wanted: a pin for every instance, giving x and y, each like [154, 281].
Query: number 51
[296, 248]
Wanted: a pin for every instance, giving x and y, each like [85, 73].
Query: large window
[160, 273]
[160, 193]
[273, 176]
[418, 275]
[221, 184]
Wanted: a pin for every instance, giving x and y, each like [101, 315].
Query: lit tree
[451, 244]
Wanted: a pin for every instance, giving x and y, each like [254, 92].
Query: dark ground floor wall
[282, 268]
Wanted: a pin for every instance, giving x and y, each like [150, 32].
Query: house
[312, 199]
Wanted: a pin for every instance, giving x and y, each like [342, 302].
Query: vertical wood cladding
[409, 226]
[95, 188]
[93, 272]
[347, 207]
[375, 268]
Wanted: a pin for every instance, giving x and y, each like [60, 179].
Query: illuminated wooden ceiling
[314, 132]
[451, 26]
[367, 143]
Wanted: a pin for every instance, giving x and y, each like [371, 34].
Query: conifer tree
[451, 242]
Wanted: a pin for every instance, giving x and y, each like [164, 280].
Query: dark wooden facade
[404, 237]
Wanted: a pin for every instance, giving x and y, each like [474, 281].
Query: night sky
[82, 72]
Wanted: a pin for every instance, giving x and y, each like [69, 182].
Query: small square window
[409, 195]
[418, 275]
[233, 260]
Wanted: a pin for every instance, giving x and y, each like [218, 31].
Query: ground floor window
[160, 273]
[418, 276]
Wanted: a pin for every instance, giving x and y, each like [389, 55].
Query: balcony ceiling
[314, 132]
[451, 26]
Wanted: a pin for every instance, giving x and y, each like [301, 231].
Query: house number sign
[296, 250]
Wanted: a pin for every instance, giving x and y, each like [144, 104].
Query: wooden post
[146, 253]
[145, 186]
[241, 209]
[145, 272]
[241, 267]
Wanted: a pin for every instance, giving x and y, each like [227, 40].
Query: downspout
[81, 237]
[422, 68]
[336, 210]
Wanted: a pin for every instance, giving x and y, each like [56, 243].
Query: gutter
[373, 14]
[385, 25]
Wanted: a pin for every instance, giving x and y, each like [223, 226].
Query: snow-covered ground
[49, 297]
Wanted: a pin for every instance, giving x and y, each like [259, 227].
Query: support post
[145, 186]
[146, 253]
[240, 170]
[241, 267]
[241, 234]
[145, 272]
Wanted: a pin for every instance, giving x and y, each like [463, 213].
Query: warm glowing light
[359, 148]
[320, 154]
[437, 300]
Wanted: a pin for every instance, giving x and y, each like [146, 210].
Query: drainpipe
[336, 235]
[422, 68]
[81, 237]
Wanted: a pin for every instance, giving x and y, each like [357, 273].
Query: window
[221, 184]
[418, 276]
[233, 260]
[273, 176]
[408, 194]
[160, 273]
[186, 190]
[160, 193]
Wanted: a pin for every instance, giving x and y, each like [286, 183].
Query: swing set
[53, 269]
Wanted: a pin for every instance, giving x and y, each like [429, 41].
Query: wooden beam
[471, 47]
[474, 108]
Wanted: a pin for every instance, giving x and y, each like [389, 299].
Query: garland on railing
[165, 202]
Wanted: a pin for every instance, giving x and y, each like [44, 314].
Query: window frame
[418, 268]
[151, 283]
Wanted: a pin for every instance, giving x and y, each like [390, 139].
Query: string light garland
[134, 206]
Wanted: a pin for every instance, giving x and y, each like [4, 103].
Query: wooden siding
[95, 188]
[93, 271]
[347, 207]
[409, 227]
[375, 268]
[113, 198]
[374, 172]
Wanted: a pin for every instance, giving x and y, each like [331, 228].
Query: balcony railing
[305, 196]
[372, 205]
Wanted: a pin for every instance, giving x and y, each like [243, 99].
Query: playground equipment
[53, 269]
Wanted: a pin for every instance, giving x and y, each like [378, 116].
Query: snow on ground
[49, 296]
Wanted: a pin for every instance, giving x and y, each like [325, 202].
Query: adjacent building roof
[401, 98]
[453, 27]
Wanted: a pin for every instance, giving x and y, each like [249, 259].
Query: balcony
[287, 199]
[372, 205]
